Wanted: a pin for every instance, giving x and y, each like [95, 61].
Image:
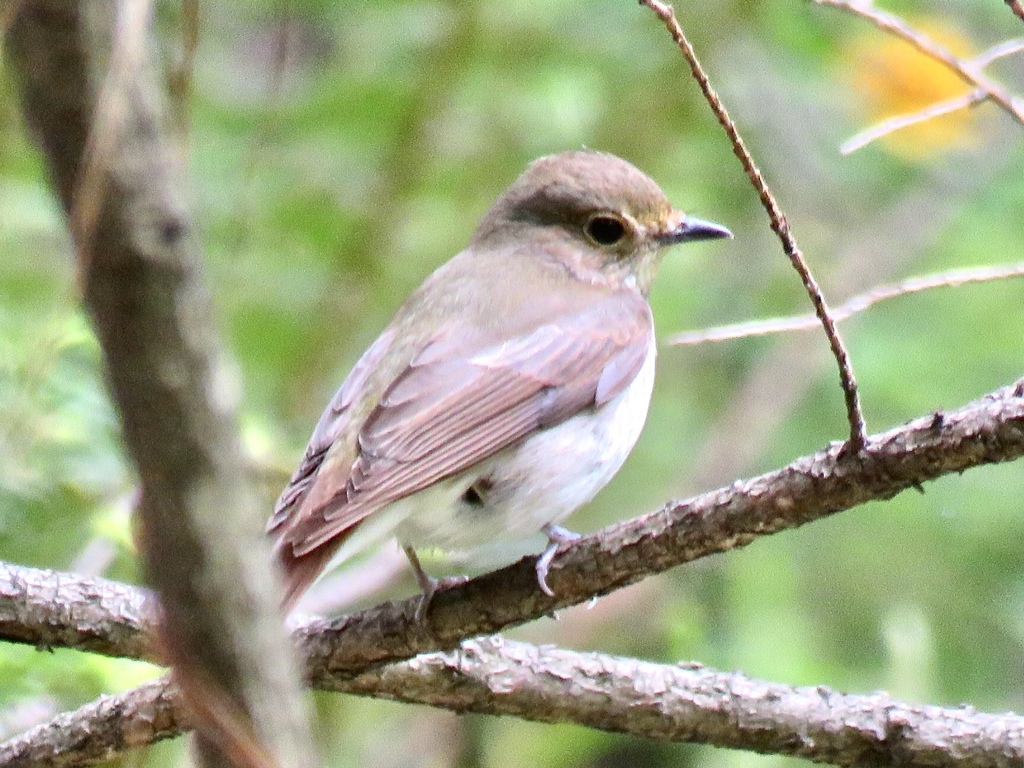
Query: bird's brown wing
[326, 432]
[449, 410]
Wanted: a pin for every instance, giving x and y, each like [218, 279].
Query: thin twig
[850, 307]
[1017, 7]
[998, 51]
[938, 109]
[875, 132]
[858, 430]
[967, 71]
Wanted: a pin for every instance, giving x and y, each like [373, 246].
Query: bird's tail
[301, 571]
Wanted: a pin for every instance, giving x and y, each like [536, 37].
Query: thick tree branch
[349, 653]
[690, 703]
[122, 187]
[985, 431]
[100, 730]
[693, 703]
[988, 430]
[49, 609]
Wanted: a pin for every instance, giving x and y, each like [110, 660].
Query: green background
[340, 151]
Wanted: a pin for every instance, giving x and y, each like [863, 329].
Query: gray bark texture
[370, 652]
[92, 99]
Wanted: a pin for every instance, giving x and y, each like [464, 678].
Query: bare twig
[1017, 7]
[968, 71]
[855, 416]
[886, 127]
[950, 279]
[938, 109]
[997, 51]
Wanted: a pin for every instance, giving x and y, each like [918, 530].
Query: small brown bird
[507, 390]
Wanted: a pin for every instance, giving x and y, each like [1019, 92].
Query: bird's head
[596, 213]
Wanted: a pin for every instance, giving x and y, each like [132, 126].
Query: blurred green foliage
[340, 151]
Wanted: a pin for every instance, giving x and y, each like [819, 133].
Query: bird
[507, 389]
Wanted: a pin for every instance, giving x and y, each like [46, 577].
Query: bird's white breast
[538, 482]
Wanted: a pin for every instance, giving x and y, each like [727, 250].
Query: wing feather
[326, 432]
[452, 408]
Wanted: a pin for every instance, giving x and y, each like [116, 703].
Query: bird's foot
[557, 536]
[428, 584]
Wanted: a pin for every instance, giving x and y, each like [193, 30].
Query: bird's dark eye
[605, 230]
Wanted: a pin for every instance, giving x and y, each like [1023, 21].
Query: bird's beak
[690, 229]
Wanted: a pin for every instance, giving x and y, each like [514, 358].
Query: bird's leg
[557, 536]
[428, 584]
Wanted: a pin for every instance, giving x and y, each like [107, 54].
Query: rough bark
[92, 100]
[683, 703]
[691, 703]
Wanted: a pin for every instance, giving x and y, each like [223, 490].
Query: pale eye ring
[605, 229]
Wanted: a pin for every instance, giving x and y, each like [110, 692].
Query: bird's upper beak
[690, 228]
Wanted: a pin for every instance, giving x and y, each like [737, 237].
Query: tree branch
[953, 278]
[986, 431]
[1017, 7]
[348, 653]
[100, 730]
[779, 223]
[684, 703]
[967, 71]
[970, 99]
[121, 184]
[49, 609]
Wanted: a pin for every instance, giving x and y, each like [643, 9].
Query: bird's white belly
[538, 482]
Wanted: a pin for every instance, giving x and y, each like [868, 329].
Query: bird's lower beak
[690, 229]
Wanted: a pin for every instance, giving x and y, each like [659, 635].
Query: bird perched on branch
[507, 390]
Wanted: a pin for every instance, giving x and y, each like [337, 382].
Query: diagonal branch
[122, 187]
[779, 224]
[46, 609]
[898, 123]
[932, 111]
[988, 430]
[968, 71]
[952, 278]
[683, 703]
[1017, 7]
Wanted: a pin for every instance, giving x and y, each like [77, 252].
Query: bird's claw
[557, 536]
[428, 584]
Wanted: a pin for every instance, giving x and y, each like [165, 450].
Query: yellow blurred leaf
[894, 79]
